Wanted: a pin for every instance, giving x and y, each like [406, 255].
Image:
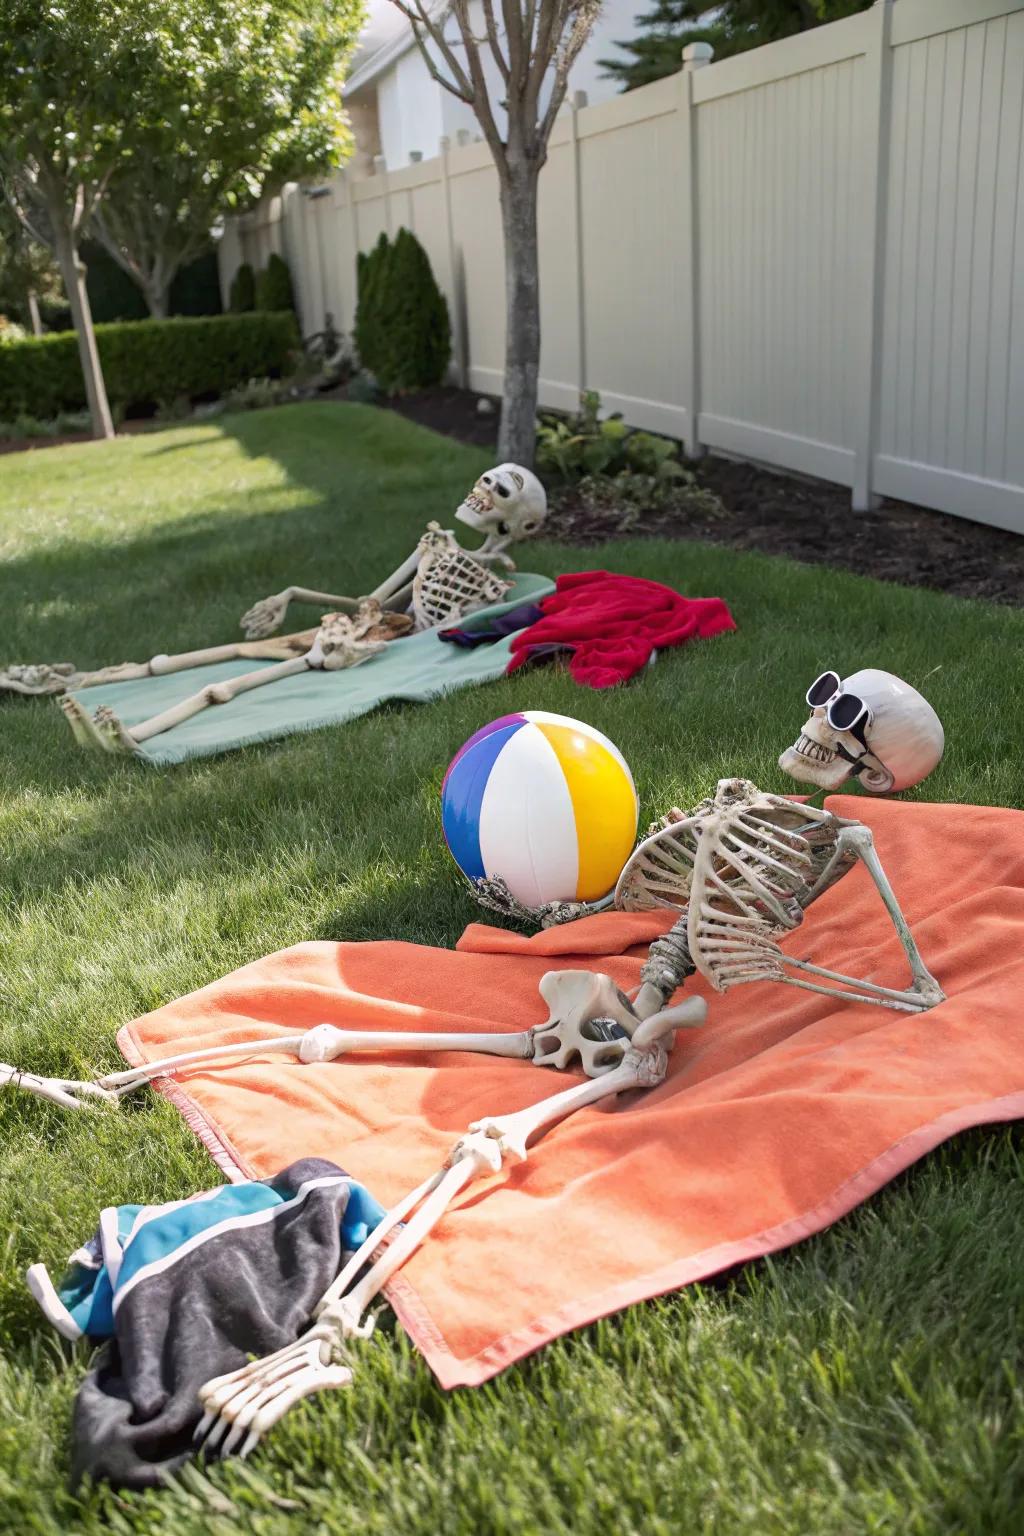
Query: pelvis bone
[593, 1020]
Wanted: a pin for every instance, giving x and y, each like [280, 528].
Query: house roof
[385, 39]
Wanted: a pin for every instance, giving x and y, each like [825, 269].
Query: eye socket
[503, 526]
[502, 490]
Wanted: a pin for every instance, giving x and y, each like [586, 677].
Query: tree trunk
[518, 435]
[73, 272]
[32, 304]
[157, 299]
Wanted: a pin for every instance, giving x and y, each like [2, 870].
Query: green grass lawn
[870, 1380]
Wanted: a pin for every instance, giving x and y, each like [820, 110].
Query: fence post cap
[696, 55]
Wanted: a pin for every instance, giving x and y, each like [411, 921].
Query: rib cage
[449, 583]
[743, 867]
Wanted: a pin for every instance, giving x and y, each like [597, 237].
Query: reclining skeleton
[439, 582]
[741, 870]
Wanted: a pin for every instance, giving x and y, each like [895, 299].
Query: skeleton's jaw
[477, 511]
[811, 762]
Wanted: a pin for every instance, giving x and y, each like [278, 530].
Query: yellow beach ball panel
[603, 800]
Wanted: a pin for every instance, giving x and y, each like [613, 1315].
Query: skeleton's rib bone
[759, 862]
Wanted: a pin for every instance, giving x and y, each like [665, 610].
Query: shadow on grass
[356, 493]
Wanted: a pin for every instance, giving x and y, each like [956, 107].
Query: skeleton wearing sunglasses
[872, 726]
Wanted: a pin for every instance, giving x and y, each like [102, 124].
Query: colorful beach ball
[544, 802]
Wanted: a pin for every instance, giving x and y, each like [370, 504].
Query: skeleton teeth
[812, 749]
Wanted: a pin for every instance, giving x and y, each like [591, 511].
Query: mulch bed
[781, 514]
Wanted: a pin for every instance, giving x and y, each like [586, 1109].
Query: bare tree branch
[568, 54]
[481, 98]
[529, 14]
[492, 37]
[454, 90]
[423, 26]
[550, 24]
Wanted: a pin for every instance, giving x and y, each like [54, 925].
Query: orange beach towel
[785, 1111]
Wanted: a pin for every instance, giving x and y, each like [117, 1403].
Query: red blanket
[612, 624]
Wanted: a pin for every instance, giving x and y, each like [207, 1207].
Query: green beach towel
[416, 668]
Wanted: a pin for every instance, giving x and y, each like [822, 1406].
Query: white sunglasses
[843, 711]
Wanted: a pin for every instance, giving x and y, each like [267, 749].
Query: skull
[872, 725]
[507, 503]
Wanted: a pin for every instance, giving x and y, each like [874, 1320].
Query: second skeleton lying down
[438, 583]
[741, 869]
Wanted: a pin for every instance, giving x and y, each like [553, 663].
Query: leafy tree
[530, 49]
[242, 295]
[27, 272]
[69, 98]
[731, 26]
[415, 344]
[250, 97]
[274, 285]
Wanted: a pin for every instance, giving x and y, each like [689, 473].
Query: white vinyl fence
[811, 255]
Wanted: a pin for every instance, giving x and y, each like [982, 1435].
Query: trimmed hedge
[145, 362]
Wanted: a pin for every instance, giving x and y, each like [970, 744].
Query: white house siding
[409, 109]
[414, 111]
